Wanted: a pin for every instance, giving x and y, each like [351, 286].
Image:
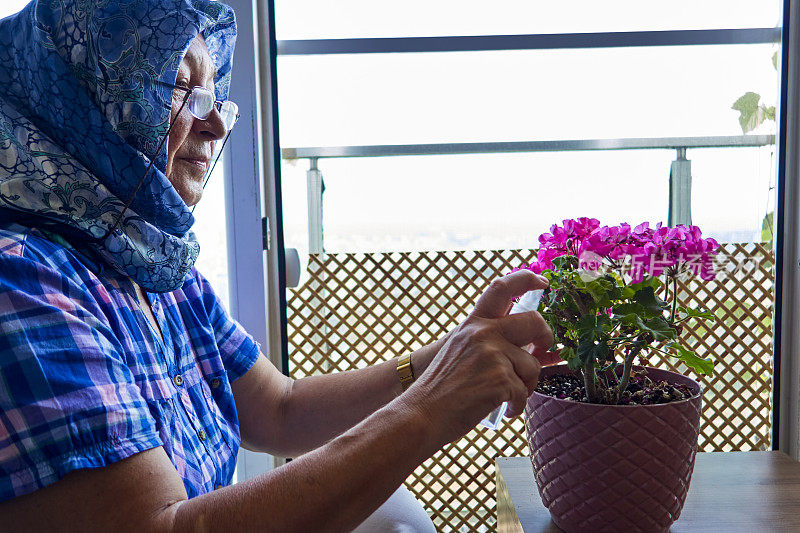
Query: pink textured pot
[613, 467]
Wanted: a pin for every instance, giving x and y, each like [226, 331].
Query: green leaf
[565, 262]
[700, 365]
[696, 313]
[604, 291]
[591, 351]
[585, 350]
[600, 351]
[574, 363]
[628, 292]
[629, 319]
[587, 327]
[567, 354]
[658, 327]
[628, 309]
[751, 114]
[651, 304]
[647, 282]
[592, 327]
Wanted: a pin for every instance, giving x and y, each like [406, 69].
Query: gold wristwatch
[404, 371]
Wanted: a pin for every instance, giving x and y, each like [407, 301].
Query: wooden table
[753, 492]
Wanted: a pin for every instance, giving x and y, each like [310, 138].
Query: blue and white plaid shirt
[86, 381]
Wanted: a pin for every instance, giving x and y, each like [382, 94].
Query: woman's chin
[189, 186]
[192, 197]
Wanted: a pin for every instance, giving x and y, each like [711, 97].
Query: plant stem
[589, 381]
[626, 369]
[674, 298]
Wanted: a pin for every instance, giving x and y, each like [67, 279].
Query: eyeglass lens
[201, 103]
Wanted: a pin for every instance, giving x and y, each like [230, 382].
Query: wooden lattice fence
[359, 309]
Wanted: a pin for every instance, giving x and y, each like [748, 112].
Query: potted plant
[612, 443]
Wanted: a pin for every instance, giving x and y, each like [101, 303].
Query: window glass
[9, 7]
[520, 95]
[328, 19]
[210, 229]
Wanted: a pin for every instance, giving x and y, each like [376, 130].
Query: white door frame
[252, 193]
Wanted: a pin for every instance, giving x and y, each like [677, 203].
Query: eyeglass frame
[217, 103]
[188, 90]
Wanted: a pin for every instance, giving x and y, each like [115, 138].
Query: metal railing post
[316, 186]
[680, 190]
[316, 245]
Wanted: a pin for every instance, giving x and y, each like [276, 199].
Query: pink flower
[646, 250]
[568, 238]
[607, 241]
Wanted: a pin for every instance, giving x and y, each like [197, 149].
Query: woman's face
[191, 141]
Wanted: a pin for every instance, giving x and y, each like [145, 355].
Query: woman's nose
[213, 127]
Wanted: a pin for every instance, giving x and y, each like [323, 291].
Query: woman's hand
[481, 363]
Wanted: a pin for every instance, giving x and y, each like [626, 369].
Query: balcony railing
[679, 203]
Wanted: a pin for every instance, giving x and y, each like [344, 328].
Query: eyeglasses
[200, 102]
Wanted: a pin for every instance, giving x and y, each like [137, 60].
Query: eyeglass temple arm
[172, 85]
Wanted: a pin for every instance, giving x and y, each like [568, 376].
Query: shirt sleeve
[239, 351]
[68, 399]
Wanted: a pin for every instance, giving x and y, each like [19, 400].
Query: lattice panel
[359, 309]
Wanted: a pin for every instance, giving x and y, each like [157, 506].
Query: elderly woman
[125, 386]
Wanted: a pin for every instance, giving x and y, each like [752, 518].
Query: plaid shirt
[85, 380]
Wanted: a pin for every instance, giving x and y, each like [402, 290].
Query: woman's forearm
[332, 488]
[319, 408]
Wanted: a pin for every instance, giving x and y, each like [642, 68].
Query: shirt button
[201, 435]
[215, 383]
[178, 380]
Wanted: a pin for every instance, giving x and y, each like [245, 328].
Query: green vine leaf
[751, 113]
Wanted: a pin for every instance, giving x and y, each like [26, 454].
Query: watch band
[404, 371]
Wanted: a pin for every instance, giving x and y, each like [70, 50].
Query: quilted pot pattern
[613, 467]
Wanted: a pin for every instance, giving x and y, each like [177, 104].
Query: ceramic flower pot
[613, 467]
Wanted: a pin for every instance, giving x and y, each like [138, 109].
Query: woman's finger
[526, 328]
[526, 367]
[518, 398]
[547, 358]
[496, 300]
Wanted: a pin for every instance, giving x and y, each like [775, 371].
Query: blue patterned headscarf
[80, 117]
